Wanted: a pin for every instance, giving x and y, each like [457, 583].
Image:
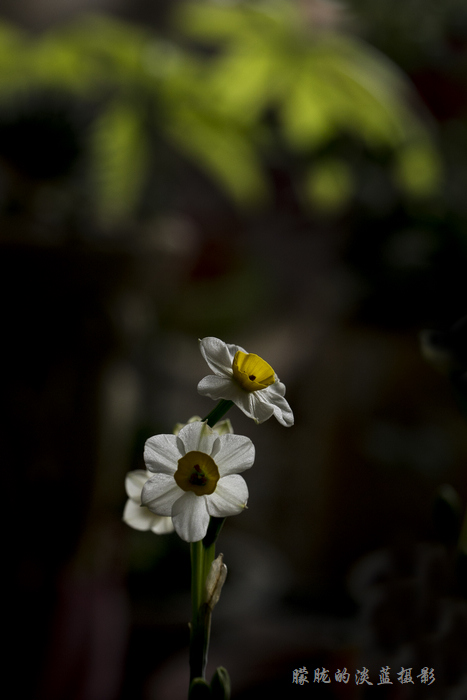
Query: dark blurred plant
[447, 351]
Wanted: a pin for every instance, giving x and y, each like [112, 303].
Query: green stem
[202, 555]
[201, 560]
[220, 410]
[196, 638]
[196, 552]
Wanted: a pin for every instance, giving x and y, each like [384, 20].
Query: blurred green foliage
[319, 84]
[210, 94]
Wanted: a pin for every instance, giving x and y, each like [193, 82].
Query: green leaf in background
[306, 115]
[328, 185]
[119, 161]
[115, 50]
[321, 84]
[269, 58]
[54, 63]
[14, 59]
[222, 149]
[418, 169]
[253, 66]
[215, 107]
[220, 22]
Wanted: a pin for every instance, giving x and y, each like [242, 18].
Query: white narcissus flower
[137, 516]
[196, 475]
[245, 379]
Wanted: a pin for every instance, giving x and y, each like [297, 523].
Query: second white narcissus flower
[196, 475]
[137, 516]
[246, 379]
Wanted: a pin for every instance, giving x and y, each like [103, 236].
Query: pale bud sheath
[214, 582]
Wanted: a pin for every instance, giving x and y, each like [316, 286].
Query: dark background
[327, 250]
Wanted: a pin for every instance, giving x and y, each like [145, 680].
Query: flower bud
[214, 582]
[199, 690]
[220, 684]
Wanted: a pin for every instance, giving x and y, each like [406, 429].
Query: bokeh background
[288, 175]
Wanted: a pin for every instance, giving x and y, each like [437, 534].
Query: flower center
[197, 472]
[251, 372]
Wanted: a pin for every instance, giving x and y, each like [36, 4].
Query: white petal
[160, 493]
[217, 388]
[229, 498]
[233, 349]
[284, 414]
[271, 396]
[262, 409]
[161, 525]
[161, 454]
[141, 518]
[137, 517]
[134, 482]
[233, 392]
[196, 436]
[236, 454]
[218, 355]
[245, 401]
[190, 517]
[278, 387]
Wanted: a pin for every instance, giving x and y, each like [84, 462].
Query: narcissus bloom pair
[196, 474]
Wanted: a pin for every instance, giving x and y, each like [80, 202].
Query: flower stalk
[201, 613]
[217, 412]
[208, 576]
[202, 555]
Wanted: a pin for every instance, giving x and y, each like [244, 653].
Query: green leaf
[240, 85]
[306, 115]
[116, 49]
[223, 150]
[418, 169]
[351, 98]
[244, 21]
[119, 161]
[56, 63]
[15, 60]
[328, 185]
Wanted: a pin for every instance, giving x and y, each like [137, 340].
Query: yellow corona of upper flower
[196, 475]
[246, 379]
